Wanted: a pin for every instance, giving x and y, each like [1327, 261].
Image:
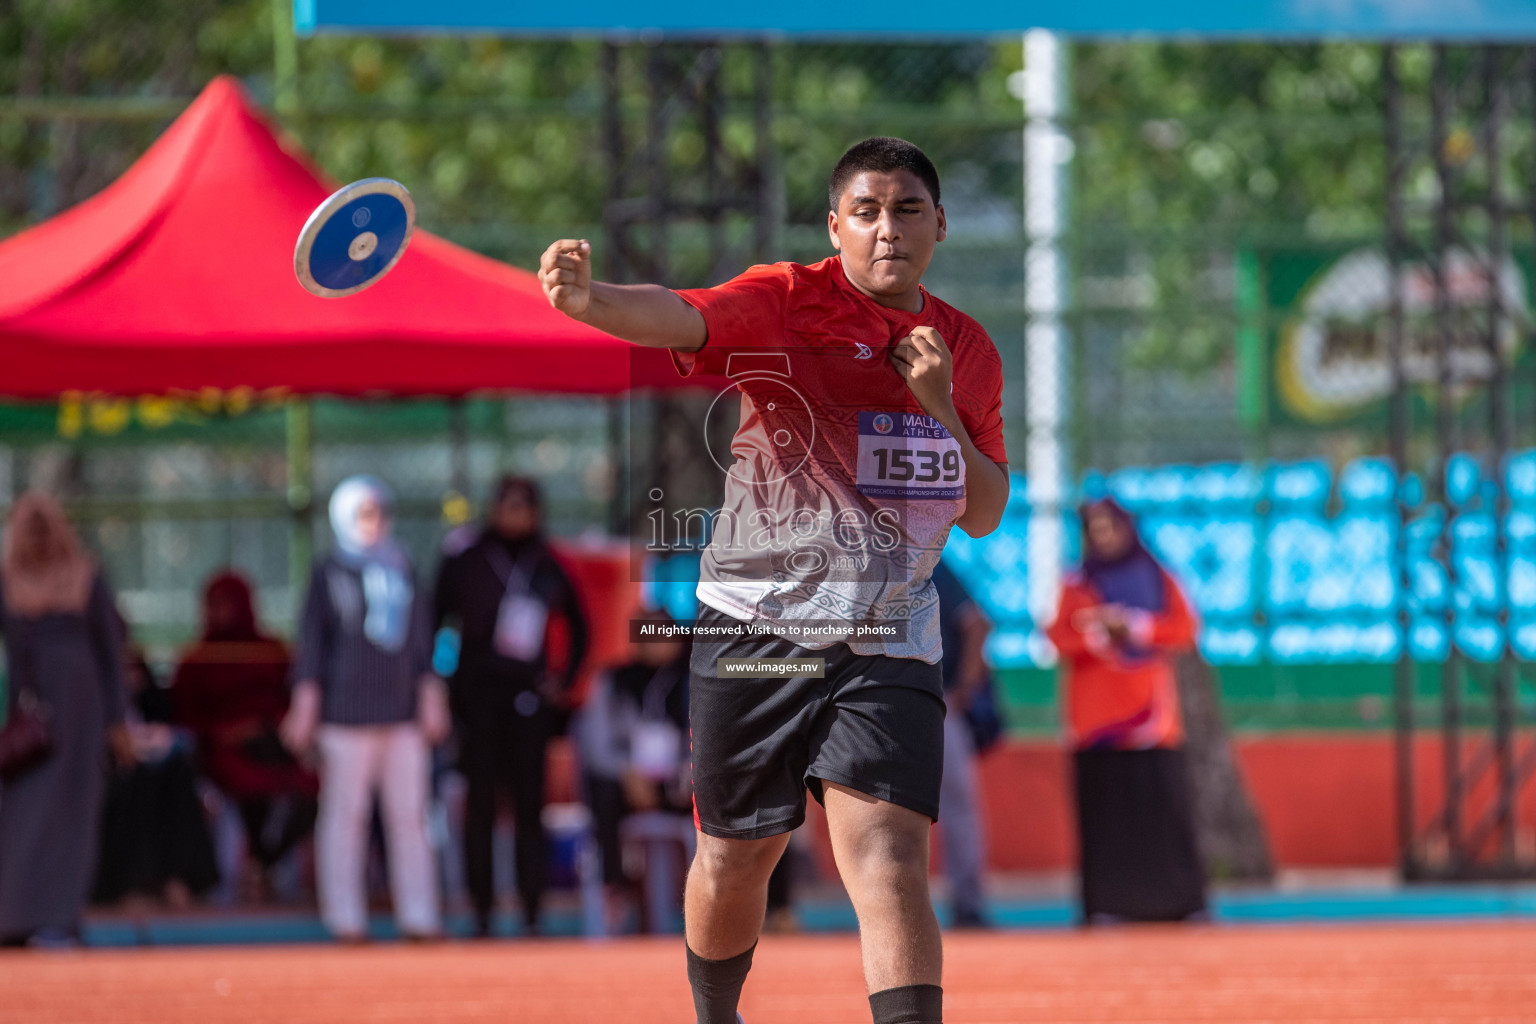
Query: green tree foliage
[86, 85]
[500, 139]
[487, 132]
[1187, 151]
[1183, 151]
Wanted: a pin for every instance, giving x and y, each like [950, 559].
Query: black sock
[910, 1004]
[717, 985]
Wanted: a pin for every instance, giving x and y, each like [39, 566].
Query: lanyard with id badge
[655, 742]
[521, 616]
[908, 455]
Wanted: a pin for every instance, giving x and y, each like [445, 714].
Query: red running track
[1357, 974]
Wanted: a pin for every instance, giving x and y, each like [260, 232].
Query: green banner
[238, 416]
[1326, 330]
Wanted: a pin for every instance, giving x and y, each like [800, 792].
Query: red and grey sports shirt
[840, 492]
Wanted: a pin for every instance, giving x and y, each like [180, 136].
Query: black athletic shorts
[874, 724]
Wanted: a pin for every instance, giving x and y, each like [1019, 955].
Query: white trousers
[358, 762]
[960, 823]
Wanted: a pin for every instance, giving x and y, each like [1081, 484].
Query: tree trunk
[1232, 838]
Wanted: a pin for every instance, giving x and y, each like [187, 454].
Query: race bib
[908, 455]
[520, 627]
[655, 747]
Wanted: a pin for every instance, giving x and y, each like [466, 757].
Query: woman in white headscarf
[366, 694]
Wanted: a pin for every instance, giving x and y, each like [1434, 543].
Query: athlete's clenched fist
[922, 358]
[565, 271]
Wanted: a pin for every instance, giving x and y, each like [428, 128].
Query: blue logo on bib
[883, 423]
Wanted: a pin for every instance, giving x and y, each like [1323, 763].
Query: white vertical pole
[1047, 153]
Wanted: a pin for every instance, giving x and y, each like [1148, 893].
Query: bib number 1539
[907, 455]
[919, 465]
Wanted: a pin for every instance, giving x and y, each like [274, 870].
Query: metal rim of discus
[322, 217]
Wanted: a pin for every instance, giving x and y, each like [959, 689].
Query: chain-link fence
[506, 145]
[172, 492]
[1223, 241]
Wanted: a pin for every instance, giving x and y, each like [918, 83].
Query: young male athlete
[870, 424]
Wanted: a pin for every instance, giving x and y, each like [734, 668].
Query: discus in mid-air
[354, 238]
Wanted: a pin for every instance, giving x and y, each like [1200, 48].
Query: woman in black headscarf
[1121, 620]
[505, 590]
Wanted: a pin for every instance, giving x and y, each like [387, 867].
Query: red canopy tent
[180, 276]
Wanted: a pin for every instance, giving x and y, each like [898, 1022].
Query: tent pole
[618, 466]
[299, 431]
[458, 442]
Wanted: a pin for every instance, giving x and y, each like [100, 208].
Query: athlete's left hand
[923, 360]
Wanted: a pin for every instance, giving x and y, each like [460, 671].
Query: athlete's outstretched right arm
[646, 314]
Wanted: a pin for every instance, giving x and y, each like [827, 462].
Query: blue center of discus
[330, 259]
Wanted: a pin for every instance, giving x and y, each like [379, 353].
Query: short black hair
[882, 154]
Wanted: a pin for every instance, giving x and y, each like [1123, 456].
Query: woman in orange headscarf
[62, 647]
[1121, 620]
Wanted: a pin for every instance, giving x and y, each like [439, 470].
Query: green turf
[1269, 697]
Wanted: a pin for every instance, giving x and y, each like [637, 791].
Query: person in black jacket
[503, 587]
[155, 841]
